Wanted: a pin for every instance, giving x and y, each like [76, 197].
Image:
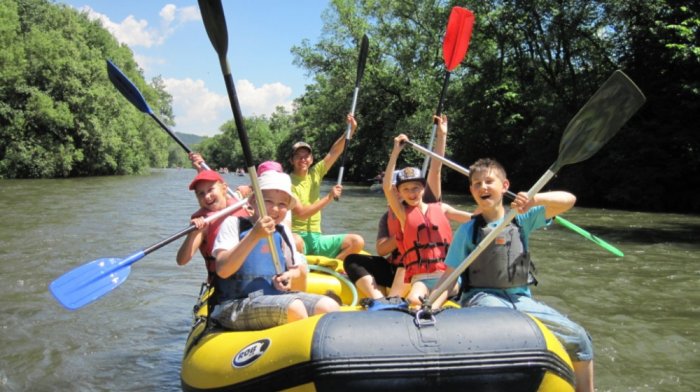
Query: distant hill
[189, 139]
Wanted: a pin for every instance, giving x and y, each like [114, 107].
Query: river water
[642, 309]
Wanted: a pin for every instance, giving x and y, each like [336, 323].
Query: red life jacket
[207, 245]
[424, 240]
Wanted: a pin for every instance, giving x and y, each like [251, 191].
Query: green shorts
[328, 245]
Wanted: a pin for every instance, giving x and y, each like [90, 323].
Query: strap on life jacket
[244, 225]
[480, 223]
[417, 247]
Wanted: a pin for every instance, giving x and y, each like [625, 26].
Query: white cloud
[263, 100]
[148, 63]
[137, 32]
[197, 109]
[201, 111]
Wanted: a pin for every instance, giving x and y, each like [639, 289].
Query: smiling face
[277, 203]
[211, 195]
[411, 192]
[302, 160]
[488, 185]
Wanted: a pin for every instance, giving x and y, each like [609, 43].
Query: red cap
[205, 175]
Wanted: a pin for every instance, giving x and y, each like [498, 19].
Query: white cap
[272, 180]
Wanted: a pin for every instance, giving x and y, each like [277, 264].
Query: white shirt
[228, 237]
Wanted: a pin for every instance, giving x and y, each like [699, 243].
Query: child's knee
[326, 305]
[296, 311]
[355, 242]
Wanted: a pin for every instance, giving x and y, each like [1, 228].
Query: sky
[168, 39]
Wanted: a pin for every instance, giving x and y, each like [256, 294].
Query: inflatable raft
[474, 349]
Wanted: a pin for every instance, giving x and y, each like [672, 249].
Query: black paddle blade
[362, 59]
[215, 24]
[600, 118]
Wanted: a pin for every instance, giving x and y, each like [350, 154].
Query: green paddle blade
[88, 282]
[593, 238]
[600, 118]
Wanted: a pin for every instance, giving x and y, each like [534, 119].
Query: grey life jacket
[505, 263]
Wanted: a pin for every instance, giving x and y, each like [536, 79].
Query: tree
[59, 114]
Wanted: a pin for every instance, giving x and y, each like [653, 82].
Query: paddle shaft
[568, 224]
[215, 25]
[593, 126]
[361, 60]
[347, 137]
[438, 113]
[133, 95]
[454, 48]
[90, 281]
[216, 216]
[486, 241]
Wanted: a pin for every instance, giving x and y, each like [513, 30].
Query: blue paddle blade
[88, 282]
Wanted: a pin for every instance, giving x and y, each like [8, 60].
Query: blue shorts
[573, 337]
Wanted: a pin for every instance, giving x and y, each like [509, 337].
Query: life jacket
[394, 228]
[207, 245]
[505, 263]
[257, 271]
[424, 240]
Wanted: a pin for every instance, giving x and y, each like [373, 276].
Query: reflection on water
[642, 309]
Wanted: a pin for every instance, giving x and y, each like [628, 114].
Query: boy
[211, 192]
[250, 294]
[306, 217]
[425, 229]
[374, 276]
[501, 274]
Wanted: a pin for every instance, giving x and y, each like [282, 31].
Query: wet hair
[486, 165]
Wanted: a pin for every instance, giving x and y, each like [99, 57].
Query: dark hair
[485, 165]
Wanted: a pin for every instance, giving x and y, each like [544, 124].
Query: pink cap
[269, 165]
[205, 175]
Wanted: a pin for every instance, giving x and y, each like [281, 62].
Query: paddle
[133, 95]
[596, 123]
[90, 281]
[361, 60]
[215, 24]
[568, 224]
[454, 49]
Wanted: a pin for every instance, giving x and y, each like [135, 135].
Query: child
[300, 283]
[250, 294]
[501, 274]
[211, 192]
[425, 230]
[374, 275]
[306, 218]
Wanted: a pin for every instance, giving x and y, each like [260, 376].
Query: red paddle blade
[457, 37]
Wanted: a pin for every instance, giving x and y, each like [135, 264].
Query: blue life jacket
[257, 271]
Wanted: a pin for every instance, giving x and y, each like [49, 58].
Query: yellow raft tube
[470, 349]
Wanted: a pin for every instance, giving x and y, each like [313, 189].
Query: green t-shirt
[308, 190]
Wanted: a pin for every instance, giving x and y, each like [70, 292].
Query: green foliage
[530, 67]
[59, 114]
[264, 137]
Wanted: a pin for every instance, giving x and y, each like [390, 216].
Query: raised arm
[337, 147]
[434, 175]
[555, 202]
[391, 196]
